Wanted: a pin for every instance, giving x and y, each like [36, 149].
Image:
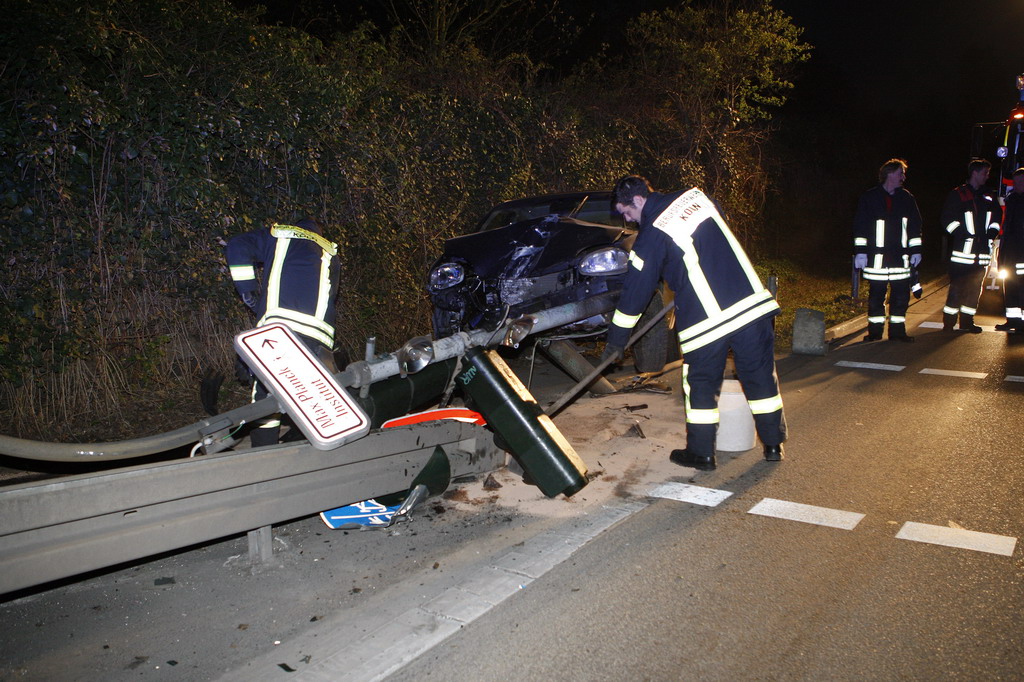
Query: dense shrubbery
[136, 136]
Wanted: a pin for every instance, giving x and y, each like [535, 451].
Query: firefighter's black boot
[948, 322]
[898, 332]
[685, 458]
[1005, 326]
[875, 330]
[967, 324]
[773, 453]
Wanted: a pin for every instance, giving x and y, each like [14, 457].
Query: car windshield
[595, 208]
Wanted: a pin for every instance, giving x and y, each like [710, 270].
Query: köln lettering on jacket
[684, 214]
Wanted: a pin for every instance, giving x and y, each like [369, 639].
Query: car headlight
[607, 261]
[446, 275]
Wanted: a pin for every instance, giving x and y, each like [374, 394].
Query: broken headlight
[446, 275]
[607, 261]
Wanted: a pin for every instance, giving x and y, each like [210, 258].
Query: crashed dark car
[533, 254]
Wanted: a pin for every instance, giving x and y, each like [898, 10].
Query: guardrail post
[261, 545]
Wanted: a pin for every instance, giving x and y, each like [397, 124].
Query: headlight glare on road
[606, 261]
[446, 275]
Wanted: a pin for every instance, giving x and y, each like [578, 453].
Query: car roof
[552, 198]
[549, 204]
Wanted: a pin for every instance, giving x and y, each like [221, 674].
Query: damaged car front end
[535, 254]
[529, 255]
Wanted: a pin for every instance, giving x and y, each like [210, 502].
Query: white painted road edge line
[871, 365]
[806, 513]
[957, 537]
[1019, 380]
[684, 492]
[414, 632]
[954, 373]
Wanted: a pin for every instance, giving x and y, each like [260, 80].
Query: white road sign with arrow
[304, 388]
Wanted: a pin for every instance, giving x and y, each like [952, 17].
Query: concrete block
[809, 332]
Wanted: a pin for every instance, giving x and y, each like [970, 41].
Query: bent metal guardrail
[356, 375]
[65, 527]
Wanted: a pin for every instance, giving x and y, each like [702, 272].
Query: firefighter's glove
[612, 354]
[915, 259]
[860, 261]
[249, 298]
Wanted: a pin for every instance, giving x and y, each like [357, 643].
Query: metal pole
[356, 375]
[587, 380]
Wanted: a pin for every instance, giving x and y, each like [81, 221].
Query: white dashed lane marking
[927, 370]
[958, 537]
[870, 365]
[695, 494]
[806, 513]
[954, 373]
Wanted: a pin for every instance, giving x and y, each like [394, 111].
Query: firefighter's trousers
[964, 288]
[753, 348]
[1013, 296]
[899, 299]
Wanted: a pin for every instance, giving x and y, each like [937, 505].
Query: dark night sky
[909, 78]
[890, 79]
[904, 78]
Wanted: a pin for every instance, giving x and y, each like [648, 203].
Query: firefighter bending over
[288, 274]
[721, 304]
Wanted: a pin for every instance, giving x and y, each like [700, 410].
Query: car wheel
[651, 351]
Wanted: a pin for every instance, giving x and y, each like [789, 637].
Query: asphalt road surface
[883, 547]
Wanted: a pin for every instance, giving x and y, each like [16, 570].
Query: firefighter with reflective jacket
[971, 217]
[887, 247]
[1011, 256]
[288, 274]
[721, 305]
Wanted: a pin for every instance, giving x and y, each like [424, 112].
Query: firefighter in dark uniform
[971, 217]
[721, 304]
[288, 274]
[887, 246]
[1011, 256]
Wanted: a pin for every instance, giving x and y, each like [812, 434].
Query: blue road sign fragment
[365, 514]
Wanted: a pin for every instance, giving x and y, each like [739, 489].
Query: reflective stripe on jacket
[971, 218]
[299, 278]
[887, 228]
[685, 241]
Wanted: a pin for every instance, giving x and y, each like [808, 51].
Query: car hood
[532, 247]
